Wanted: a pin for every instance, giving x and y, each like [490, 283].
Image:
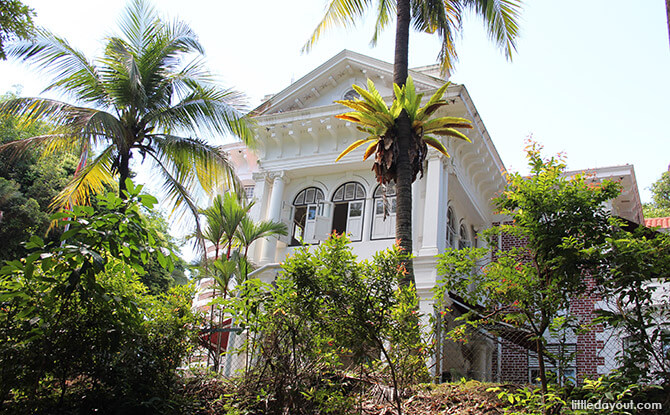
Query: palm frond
[249, 231]
[371, 149]
[70, 71]
[441, 17]
[178, 195]
[445, 122]
[193, 160]
[386, 9]
[338, 13]
[501, 18]
[436, 144]
[450, 132]
[355, 145]
[49, 143]
[92, 179]
[433, 104]
[207, 110]
[139, 24]
[122, 75]
[73, 125]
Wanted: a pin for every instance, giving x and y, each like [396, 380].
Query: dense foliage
[16, 22]
[27, 187]
[637, 288]
[327, 313]
[660, 206]
[79, 331]
[531, 287]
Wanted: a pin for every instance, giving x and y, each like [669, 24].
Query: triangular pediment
[333, 79]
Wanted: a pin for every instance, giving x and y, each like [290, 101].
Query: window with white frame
[306, 206]
[451, 228]
[348, 206]
[383, 221]
[249, 191]
[562, 367]
[463, 241]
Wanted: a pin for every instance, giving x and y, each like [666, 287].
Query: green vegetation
[660, 206]
[27, 187]
[328, 326]
[80, 332]
[230, 227]
[558, 217]
[149, 85]
[378, 121]
[16, 22]
[569, 238]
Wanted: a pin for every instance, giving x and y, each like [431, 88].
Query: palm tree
[229, 226]
[223, 218]
[249, 231]
[149, 96]
[441, 16]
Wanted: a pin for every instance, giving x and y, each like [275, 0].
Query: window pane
[349, 189]
[311, 213]
[309, 197]
[339, 194]
[392, 202]
[360, 192]
[300, 200]
[355, 209]
[379, 207]
[319, 195]
[249, 191]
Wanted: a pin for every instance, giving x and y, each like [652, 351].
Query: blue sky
[590, 78]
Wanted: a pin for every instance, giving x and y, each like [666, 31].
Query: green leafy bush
[329, 326]
[80, 332]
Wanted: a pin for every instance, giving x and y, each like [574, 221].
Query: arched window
[351, 95]
[383, 221]
[451, 228]
[306, 206]
[349, 203]
[463, 241]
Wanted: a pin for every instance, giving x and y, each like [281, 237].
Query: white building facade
[293, 178]
[299, 183]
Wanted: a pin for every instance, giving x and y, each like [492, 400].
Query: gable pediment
[333, 79]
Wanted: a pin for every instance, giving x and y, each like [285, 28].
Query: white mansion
[294, 177]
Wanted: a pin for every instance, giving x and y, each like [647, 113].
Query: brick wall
[514, 358]
[588, 347]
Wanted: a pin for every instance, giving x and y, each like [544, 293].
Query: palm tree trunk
[124, 171]
[404, 136]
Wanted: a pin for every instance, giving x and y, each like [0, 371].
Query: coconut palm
[443, 17]
[148, 97]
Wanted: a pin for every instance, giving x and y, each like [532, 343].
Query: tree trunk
[124, 171]
[404, 136]
[543, 373]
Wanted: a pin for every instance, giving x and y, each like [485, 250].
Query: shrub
[80, 332]
[328, 326]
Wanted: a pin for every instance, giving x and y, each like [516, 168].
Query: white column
[368, 214]
[431, 207]
[258, 211]
[417, 214]
[274, 213]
